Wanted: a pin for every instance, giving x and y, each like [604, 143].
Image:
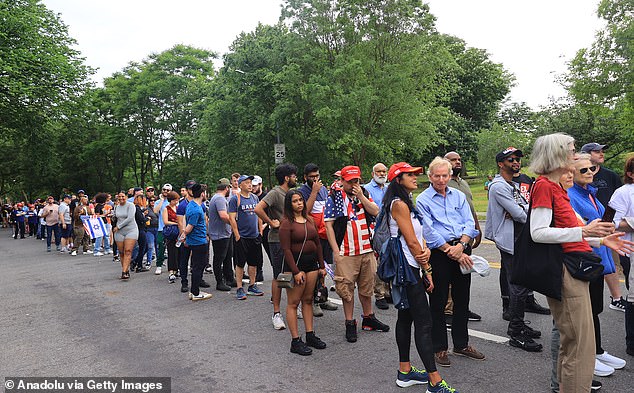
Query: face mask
[379, 179]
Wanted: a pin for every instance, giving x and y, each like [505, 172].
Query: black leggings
[418, 313]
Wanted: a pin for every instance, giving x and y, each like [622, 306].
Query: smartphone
[608, 216]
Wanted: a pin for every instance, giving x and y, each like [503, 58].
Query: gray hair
[551, 152]
[377, 164]
[439, 162]
[582, 157]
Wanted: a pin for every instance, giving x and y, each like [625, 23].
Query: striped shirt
[356, 240]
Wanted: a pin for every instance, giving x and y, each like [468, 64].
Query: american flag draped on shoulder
[94, 226]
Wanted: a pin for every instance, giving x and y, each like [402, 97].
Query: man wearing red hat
[349, 237]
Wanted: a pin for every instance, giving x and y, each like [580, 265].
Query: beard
[379, 179]
[456, 171]
[292, 184]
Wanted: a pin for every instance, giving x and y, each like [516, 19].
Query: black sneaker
[233, 284]
[526, 343]
[474, 317]
[526, 330]
[506, 314]
[300, 348]
[371, 323]
[184, 288]
[534, 307]
[381, 304]
[204, 284]
[208, 269]
[314, 341]
[221, 286]
[596, 385]
[351, 331]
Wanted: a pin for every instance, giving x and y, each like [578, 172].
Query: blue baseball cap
[244, 177]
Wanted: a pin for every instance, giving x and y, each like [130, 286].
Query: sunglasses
[584, 170]
[514, 159]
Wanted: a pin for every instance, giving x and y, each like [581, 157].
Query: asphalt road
[72, 316]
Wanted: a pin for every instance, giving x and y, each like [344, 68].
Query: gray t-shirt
[218, 229]
[64, 210]
[275, 202]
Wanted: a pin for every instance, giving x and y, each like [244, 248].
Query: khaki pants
[359, 270]
[573, 318]
[381, 288]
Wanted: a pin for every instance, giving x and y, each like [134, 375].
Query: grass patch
[480, 198]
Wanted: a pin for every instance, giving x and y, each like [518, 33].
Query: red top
[292, 238]
[171, 214]
[550, 195]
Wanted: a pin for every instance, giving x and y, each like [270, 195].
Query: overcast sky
[533, 40]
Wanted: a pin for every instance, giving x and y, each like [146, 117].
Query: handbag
[584, 266]
[537, 266]
[286, 280]
[170, 232]
[320, 294]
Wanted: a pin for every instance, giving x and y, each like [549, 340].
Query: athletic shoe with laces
[300, 348]
[534, 307]
[351, 331]
[278, 322]
[209, 269]
[98, 254]
[201, 296]
[314, 341]
[172, 278]
[73, 253]
[204, 284]
[413, 377]
[618, 304]
[221, 286]
[253, 290]
[441, 387]
[328, 305]
[240, 295]
[370, 322]
[596, 385]
[526, 331]
[469, 352]
[381, 304]
[602, 370]
[88, 252]
[612, 361]
[158, 270]
[524, 342]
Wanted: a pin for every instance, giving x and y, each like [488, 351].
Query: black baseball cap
[509, 151]
[190, 183]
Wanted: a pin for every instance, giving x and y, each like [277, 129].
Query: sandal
[125, 275]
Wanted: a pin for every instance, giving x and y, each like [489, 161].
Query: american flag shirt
[356, 240]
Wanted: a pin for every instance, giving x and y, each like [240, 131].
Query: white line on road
[488, 336]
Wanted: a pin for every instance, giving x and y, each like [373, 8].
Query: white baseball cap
[256, 180]
[167, 186]
[480, 266]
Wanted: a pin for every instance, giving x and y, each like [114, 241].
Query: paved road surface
[72, 316]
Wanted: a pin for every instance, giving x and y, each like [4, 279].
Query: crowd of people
[312, 231]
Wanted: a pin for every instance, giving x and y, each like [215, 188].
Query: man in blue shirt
[159, 206]
[246, 228]
[448, 228]
[195, 235]
[377, 187]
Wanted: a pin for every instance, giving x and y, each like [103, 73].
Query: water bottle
[179, 241]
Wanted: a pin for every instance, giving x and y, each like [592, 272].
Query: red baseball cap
[350, 172]
[402, 167]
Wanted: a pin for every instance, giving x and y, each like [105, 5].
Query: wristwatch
[464, 245]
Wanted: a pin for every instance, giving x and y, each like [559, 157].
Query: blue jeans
[50, 229]
[151, 241]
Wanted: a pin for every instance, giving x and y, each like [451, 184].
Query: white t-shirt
[418, 231]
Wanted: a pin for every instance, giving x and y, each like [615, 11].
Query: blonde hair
[551, 152]
[582, 157]
[437, 162]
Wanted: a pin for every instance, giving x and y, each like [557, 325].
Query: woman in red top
[169, 218]
[303, 257]
[552, 159]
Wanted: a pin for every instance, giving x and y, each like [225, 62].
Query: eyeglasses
[584, 170]
[165, 189]
[514, 159]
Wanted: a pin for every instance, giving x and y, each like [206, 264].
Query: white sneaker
[98, 254]
[612, 361]
[201, 296]
[108, 251]
[278, 322]
[73, 253]
[172, 278]
[88, 251]
[158, 270]
[602, 370]
[300, 314]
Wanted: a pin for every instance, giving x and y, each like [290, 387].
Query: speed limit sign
[280, 153]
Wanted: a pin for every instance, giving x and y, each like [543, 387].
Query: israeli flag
[94, 226]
